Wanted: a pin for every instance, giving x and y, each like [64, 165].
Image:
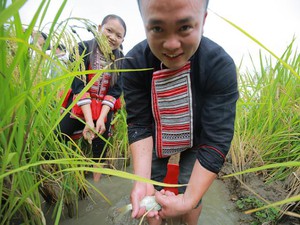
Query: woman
[96, 106]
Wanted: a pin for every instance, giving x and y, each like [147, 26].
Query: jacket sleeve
[220, 95]
[137, 95]
[78, 83]
[114, 91]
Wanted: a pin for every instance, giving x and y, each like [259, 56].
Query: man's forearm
[201, 179]
[142, 157]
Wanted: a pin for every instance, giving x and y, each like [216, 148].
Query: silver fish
[148, 202]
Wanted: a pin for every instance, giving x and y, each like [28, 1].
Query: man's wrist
[190, 203]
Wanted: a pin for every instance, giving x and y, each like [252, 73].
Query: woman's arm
[100, 124]
[88, 132]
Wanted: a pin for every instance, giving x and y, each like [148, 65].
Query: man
[39, 38]
[186, 104]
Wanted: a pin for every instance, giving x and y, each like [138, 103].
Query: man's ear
[99, 28]
[204, 19]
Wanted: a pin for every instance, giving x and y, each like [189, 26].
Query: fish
[148, 202]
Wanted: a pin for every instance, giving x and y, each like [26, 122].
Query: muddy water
[217, 208]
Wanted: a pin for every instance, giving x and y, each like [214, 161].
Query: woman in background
[96, 106]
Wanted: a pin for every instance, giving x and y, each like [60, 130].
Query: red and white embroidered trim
[172, 110]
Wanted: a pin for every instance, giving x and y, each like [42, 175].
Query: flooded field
[217, 210]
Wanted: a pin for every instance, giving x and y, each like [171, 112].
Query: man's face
[173, 29]
[38, 37]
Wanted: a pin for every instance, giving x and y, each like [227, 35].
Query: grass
[263, 216]
[267, 128]
[35, 165]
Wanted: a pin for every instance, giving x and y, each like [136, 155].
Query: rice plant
[267, 129]
[268, 119]
[29, 115]
[35, 165]
[118, 154]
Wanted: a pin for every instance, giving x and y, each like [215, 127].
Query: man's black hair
[61, 47]
[139, 4]
[45, 36]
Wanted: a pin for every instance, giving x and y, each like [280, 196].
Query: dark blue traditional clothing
[196, 111]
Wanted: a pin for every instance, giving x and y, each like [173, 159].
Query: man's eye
[156, 29]
[185, 28]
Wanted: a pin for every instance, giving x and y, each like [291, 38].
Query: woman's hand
[88, 132]
[100, 126]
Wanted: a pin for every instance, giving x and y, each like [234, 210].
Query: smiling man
[185, 104]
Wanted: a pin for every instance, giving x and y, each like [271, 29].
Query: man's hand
[139, 191]
[172, 205]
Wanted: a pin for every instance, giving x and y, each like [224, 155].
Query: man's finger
[135, 207]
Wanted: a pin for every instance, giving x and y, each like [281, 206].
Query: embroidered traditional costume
[189, 108]
[101, 92]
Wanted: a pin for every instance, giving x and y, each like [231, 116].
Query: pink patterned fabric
[172, 110]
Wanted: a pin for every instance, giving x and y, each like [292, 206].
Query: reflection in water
[217, 210]
[114, 217]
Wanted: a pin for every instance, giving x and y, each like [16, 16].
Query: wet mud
[218, 209]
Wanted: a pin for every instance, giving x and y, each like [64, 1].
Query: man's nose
[172, 42]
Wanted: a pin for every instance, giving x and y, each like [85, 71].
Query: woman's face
[173, 29]
[114, 31]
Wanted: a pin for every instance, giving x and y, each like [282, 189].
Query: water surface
[217, 207]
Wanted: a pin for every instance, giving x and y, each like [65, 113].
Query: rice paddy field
[35, 167]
